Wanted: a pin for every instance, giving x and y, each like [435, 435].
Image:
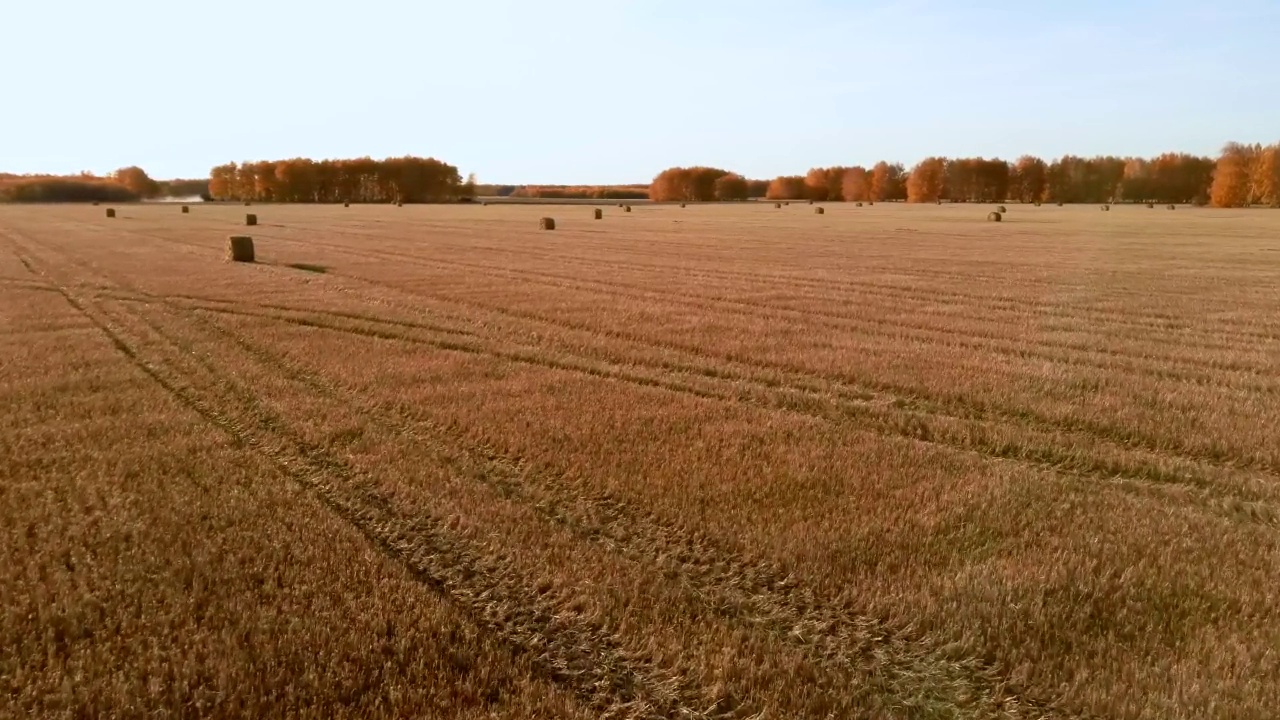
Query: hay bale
[186, 209]
[250, 219]
[547, 224]
[682, 205]
[1037, 204]
[599, 214]
[1173, 207]
[1059, 204]
[399, 204]
[247, 203]
[111, 212]
[1150, 205]
[859, 205]
[240, 248]
[810, 202]
[1106, 208]
[626, 208]
[994, 217]
[1002, 209]
[621, 205]
[939, 202]
[777, 206]
[788, 204]
[346, 204]
[96, 203]
[819, 210]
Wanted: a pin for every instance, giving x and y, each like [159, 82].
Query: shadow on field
[308, 267]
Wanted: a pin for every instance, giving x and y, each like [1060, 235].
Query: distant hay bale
[547, 223]
[346, 204]
[599, 214]
[1173, 207]
[240, 248]
[1106, 208]
[1037, 204]
[788, 204]
[626, 208]
[994, 217]
[810, 202]
[1002, 209]
[939, 202]
[859, 205]
[247, 203]
[1059, 203]
[96, 203]
[186, 209]
[871, 202]
[1150, 206]
[111, 212]
[399, 204]
[819, 210]
[621, 205]
[777, 206]
[250, 219]
[681, 204]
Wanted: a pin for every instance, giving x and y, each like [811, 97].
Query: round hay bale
[1059, 204]
[870, 202]
[777, 206]
[994, 217]
[1037, 204]
[621, 205]
[626, 208]
[240, 248]
[859, 205]
[399, 204]
[788, 204]
[682, 205]
[599, 214]
[1106, 208]
[247, 203]
[819, 210]
[346, 204]
[1150, 205]
[96, 203]
[1001, 209]
[547, 224]
[111, 212]
[810, 202]
[186, 209]
[250, 219]
[939, 202]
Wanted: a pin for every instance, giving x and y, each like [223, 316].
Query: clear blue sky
[607, 92]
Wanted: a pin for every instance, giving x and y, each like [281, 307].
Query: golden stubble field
[725, 461]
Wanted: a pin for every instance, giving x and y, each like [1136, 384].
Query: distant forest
[1242, 175]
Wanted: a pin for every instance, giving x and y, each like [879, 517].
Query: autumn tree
[1031, 179]
[787, 187]
[757, 188]
[925, 183]
[693, 184]
[1233, 177]
[404, 179]
[136, 181]
[886, 182]
[855, 184]
[731, 187]
[1265, 176]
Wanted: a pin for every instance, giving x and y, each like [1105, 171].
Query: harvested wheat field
[727, 461]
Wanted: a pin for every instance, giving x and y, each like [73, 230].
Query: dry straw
[240, 248]
[547, 223]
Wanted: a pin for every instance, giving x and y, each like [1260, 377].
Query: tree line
[1243, 175]
[124, 185]
[361, 180]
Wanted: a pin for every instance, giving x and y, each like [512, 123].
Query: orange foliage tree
[1233, 178]
[136, 181]
[404, 179]
[1030, 179]
[855, 185]
[731, 187]
[693, 184]
[787, 187]
[925, 184]
[886, 182]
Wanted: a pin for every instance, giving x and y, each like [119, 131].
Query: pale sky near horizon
[574, 92]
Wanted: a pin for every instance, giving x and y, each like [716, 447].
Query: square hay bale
[599, 214]
[240, 248]
[250, 219]
[547, 223]
[111, 212]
